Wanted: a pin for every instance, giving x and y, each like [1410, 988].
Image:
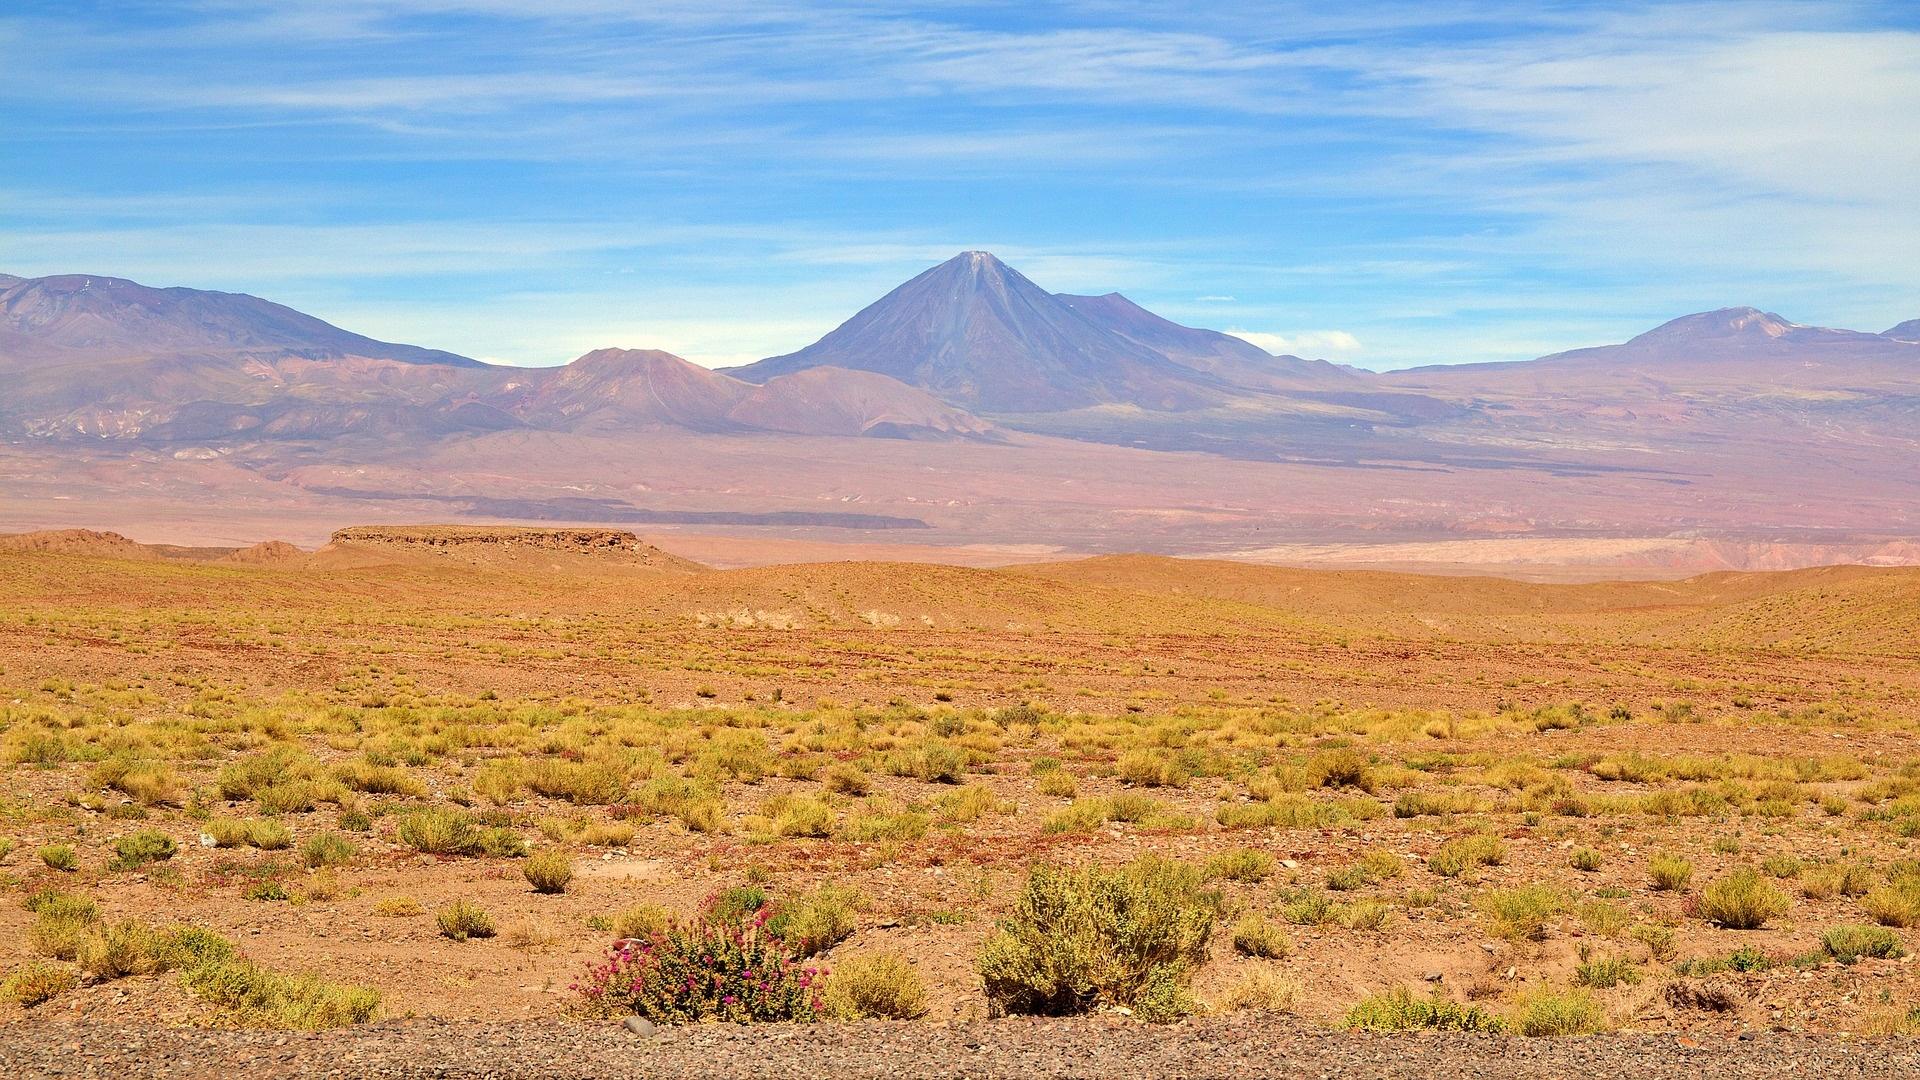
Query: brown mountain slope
[611, 575]
[1222, 356]
[1841, 607]
[74, 318]
[621, 389]
[836, 401]
[1733, 349]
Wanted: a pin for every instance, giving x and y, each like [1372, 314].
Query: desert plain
[429, 775]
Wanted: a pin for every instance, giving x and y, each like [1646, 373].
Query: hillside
[80, 318]
[1699, 444]
[612, 573]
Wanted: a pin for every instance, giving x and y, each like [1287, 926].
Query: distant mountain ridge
[1731, 347]
[1906, 331]
[98, 357]
[1010, 414]
[79, 317]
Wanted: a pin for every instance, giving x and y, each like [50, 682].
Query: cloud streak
[1433, 178]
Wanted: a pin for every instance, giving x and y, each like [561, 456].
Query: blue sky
[1382, 184]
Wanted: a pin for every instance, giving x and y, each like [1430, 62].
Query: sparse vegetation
[548, 871]
[733, 972]
[1848, 944]
[432, 741]
[1743, 900]
[462, 920]
[1080, 938]
[879, 986]
[1256, 935]
[1549, 1012]
[36, 983]
[1466, 853]
[1669, 873]
[1399, 1010]
[137, 849]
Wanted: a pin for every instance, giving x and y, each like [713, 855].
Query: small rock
[641, 1026]
[1433, 976]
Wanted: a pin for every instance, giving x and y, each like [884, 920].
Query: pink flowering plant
[735, 972]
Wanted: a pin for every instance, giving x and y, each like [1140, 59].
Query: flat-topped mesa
[506, 540]
[456, 535]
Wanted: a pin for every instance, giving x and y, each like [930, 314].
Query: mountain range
[1014, 413]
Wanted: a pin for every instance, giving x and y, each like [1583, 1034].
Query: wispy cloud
[1313, 343]
[1438, 179]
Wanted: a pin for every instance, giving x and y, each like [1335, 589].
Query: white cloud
[1309, 343]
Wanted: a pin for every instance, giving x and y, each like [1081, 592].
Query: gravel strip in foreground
[1241, 1046]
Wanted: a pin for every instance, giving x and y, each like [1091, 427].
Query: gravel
[1240, 1046]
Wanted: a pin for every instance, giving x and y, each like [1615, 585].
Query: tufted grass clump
[1604, 972]
[1080, 939]
[934, 761]
[255, 996]
[149, 783]
[802, 815]
[847, 780]
[1373, 868]
[1743, 900]
[60, 857]
[1244, 865]
[325, 849]
[1848, 944]
[117, 950]
[1263, 989]
[1897, 903]
[1056, 784]
[548, 871]
[876, 986]
[264, 833]
[1669, 873]
[1548, 1012]
[462, 920]
[1521, 914]
[439, 830]
[1399, 1010]
[816, 921]
[640, 921]
[137, 849]
[1257, 935]
[397, 907]
[62, 922]
[1340, 767]
[1466, 853]
[36, 982]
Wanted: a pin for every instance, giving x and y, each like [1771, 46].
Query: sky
[1382, 184]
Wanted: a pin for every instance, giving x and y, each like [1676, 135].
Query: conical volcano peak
[976, 266]
[977, 333]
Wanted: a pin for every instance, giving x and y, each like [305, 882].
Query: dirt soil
[1053, 1048]
[1740, 721]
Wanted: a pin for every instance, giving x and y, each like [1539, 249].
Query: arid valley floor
[1547, 805]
